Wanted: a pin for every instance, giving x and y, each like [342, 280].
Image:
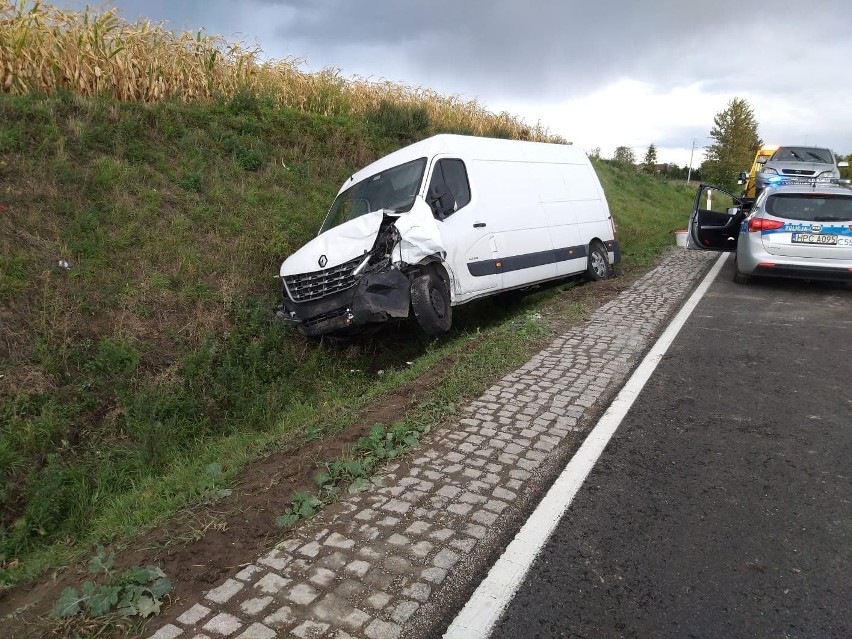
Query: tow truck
[748, 178]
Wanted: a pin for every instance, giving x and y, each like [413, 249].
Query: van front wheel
[598, 268]
[430, 300]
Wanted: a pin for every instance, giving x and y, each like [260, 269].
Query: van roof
[471, 147]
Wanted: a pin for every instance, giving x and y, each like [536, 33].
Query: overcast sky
[599, 73]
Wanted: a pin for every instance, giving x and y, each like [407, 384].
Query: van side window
[453, 174]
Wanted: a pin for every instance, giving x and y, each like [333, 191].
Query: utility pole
[689, 172]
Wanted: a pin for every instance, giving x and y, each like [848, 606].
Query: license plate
[813, 238]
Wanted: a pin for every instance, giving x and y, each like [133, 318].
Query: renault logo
[323, 260]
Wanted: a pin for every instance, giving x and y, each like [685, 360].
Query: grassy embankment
[153, 354]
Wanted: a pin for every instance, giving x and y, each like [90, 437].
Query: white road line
[485, 607]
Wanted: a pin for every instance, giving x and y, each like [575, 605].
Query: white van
[445, 221]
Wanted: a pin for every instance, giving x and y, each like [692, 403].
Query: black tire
[598, 268]
[741, 278]
[430, 300]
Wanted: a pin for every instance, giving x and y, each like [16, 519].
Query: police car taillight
[761, 224]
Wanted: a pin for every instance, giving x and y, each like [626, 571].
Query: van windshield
[391, 189]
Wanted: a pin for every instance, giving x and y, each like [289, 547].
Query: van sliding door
[520, 223]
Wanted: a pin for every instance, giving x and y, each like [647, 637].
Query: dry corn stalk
[97, 52]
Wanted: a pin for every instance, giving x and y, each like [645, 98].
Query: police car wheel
[741, 278]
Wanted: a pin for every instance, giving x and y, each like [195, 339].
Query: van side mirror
[440, 198]
[842, 163]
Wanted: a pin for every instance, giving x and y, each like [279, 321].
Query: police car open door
[716, 219]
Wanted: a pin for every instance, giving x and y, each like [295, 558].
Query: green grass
[155, 355]
[647, 210]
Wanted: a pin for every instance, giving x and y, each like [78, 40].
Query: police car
[796, 228]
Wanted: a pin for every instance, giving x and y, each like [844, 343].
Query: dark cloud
[555, 47]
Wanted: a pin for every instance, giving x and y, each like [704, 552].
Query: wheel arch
[439, 269]
[596, 240]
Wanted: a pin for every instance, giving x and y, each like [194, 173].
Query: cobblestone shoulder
[393, 561]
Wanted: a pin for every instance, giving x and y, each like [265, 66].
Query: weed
[137, 591]
[213, 474]
[13, 279]
[531, 325]
[368, 453]
[115, 357]
[191, 181]
[250, 156]
[406, 122]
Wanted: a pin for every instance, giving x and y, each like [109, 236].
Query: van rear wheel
[598, 268]
[430, 300]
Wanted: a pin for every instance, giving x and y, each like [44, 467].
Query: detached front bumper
[375, 298]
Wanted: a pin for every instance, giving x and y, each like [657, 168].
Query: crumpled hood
[420, 235]
[419, 232]
[339, 244]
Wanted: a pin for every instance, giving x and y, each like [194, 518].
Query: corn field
[44, 49]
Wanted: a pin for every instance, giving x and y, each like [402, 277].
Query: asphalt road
[721, 507]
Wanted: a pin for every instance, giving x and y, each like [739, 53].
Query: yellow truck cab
[748, 179]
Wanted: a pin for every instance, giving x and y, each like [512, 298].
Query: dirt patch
[204, 544]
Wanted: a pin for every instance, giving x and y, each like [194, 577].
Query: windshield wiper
[818, 158]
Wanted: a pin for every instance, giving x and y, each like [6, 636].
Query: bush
[402, 121]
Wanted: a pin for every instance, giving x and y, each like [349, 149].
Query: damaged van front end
[359, 272]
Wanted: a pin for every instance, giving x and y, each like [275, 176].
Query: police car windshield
[393, 189]
[814, 207]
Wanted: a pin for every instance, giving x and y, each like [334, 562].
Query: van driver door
[465, 231]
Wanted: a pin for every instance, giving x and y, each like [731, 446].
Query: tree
[736, 141]
[624, 155]
[846, 171]
[650, 161]
[595, 153]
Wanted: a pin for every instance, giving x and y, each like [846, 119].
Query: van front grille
[305, 287]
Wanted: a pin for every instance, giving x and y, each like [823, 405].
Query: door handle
[479, 225]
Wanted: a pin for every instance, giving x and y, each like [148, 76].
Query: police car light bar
[782, 181]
